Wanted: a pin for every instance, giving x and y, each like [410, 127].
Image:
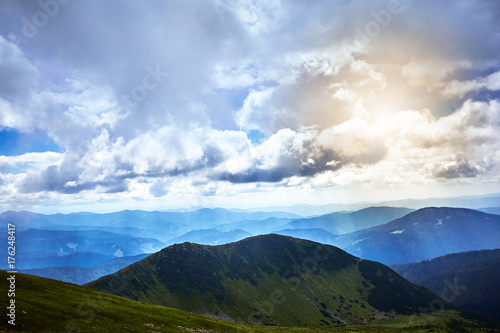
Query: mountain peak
[268, 279]
[445, 209]
[424, 234]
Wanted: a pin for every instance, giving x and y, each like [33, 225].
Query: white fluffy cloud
[460, 88]
[162, 98]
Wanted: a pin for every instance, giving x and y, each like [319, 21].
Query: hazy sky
[157, 104]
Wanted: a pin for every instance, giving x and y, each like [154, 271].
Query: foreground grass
[44, 305]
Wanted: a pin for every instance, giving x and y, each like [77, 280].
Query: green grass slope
[50, 306]
[270, 280]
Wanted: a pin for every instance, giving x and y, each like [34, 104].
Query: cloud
[219, 155]
[340, 93]
[71, 112]
[18, 75]
[285, 154]
[308, 153]
[457, 169]
[167, 152]
[37, 161]
[460, 88]
[320, 94]
[50, 179]
[353, 142]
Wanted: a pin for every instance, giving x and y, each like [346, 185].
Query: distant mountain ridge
[83, 274]
[419, 235]
[82, 259]
[424, 234]
[210, 237]
[339, 223]
[38, 248]
[315, 235]
[30, 220]
[124, 233]
[256, 227]
[270, 279]
[469, 202]
[165, 225]
[491, 210]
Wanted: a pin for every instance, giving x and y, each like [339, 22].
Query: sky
[109, 105]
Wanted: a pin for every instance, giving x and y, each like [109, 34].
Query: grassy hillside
[271, 280]
[467, 280]
[48, 306]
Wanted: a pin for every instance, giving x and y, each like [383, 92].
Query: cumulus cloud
[460, 88]
[459, 168]
[320, 95]
[18, 75]
[36, 161]
[285, 154]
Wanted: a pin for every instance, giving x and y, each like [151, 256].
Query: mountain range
[339, 223]
[424, 234]
[81, 273]
[418, 235]
[316, 235]
[54, 248]
[165, 225]
[210, 237]
[87, 239]
[269, 279]
[491, 210]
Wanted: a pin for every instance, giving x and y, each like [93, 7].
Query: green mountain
[270, 280]
[47, 306]
[467, 280]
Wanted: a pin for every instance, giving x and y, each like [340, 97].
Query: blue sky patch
[14, 142]
[255, 137]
